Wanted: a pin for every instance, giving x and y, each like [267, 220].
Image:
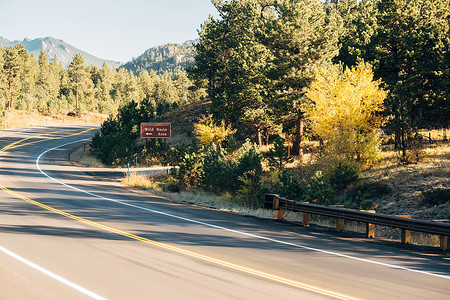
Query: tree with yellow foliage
[344, 111]
[209, 132]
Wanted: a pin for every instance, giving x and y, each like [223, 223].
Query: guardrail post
[271, 201]
[305, 219]
[281, 214]
[406, 234]
[339, 224]
[444, 240]
[370, 230]
[276, 202]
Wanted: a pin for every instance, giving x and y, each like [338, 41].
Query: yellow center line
[216, 261]
[14, 145]
[180, 250]
[31, 137]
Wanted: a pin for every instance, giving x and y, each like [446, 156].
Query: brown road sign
[155, 130]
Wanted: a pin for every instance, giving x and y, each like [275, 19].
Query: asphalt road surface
[65, 234]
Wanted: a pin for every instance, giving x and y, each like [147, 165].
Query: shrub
[190, 166]
[366, 204]
[250, 160]
[278, 156]
[116, 142]
[250, 187]
[343, 175]
[217, 173]
[171, 184]
[288, 186]
[320, 191]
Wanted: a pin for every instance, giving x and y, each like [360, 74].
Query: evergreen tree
[14, 69]
[148, 84]
[360, 25]
[79, 79]
[230, 62]
[278, 156]
[47, 86]
[103, 90]
[302, 36]
[3, 82]
[410, 51]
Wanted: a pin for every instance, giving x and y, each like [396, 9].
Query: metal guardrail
[273, 201]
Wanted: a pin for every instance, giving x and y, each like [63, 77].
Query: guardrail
[275, 202]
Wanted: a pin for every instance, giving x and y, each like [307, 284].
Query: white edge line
[227, 229]
[51, 274]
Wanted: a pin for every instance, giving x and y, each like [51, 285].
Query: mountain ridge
[63, 51]
[171, 58]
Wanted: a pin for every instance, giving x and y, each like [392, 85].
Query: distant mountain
[171, 58]
[63, 51]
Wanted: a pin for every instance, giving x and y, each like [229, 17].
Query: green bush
[366, 204]
[218, 172]
[320, 191]
[115, 144]
[190, 168]
[229, 173]
[343, 175]
[278, 156]
[250, 186]
[288, 186]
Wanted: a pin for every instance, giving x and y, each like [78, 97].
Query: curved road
[67, 235]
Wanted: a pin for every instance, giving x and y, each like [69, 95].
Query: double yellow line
[163, 245]
[18, 143]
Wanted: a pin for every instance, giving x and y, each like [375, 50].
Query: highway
[65, 234]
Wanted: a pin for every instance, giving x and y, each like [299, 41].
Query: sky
[109, 29]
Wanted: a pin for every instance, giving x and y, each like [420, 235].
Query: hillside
[171, 58]
[63, 51]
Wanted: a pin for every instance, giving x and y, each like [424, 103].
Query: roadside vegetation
[314, 108]
[329, 102]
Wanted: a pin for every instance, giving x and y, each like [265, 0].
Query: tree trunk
[10, 100]
[296, 145]
[76, 99]
[259, 138]
[403, 144]
[396, 140]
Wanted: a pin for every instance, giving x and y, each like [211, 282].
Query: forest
[340, 73]
[31, 84]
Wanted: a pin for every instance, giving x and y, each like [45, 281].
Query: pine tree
[79, 79]
[3, 83]
[302, 36]
[278, 155]
[360, 25]
[410, 51]
[15, 69]
[230, 61]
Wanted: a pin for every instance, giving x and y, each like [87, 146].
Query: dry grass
[20, 118]
[225, 202]
[84, 157]
[138, 181]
